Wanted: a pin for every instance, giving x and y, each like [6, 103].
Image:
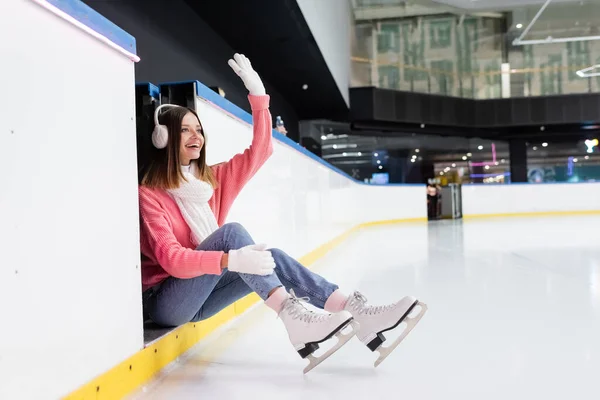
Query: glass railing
[469, 60]
[518, 82]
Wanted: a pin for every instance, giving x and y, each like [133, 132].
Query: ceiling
[560, 20]
[494, 5]
[393, 9]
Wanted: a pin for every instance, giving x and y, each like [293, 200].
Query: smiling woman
[179, 153]
[194, 264]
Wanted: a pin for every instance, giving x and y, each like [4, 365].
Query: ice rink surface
[513, 314]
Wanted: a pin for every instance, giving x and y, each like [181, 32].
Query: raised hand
[242, 67]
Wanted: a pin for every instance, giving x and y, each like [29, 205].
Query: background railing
[470, 57]
[523, 82]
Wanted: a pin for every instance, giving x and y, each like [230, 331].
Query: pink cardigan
[164, 235]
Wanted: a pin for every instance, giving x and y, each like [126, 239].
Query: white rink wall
[69, 236]
[297, 202]
[481, 200]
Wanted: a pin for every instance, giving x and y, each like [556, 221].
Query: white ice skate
[307, 329]
[374, 320]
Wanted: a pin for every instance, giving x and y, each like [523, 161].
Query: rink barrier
[236, 112]
[533, 214]
[93, 23]
[140, 368]
[530, 200]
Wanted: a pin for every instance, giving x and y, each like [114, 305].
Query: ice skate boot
[307, 329]
[375, 320]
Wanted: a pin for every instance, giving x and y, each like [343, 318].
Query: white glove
[242, 67]
[254, 259]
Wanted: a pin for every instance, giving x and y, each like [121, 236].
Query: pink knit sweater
[165, 237]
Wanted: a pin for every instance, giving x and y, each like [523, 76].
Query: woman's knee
[235, 227]
[236, 236]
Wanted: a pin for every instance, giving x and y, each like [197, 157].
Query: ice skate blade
[411, 323]
[343, 338]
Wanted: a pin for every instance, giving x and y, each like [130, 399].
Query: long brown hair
[164, 171]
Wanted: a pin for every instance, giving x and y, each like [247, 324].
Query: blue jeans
[177, 301]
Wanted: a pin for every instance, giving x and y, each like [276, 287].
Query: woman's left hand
[242, 67]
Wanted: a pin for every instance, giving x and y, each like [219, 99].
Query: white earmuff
[160, 134]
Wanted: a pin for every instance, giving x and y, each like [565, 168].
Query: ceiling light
[376, 155]
[464, 158]
[453, 165]
[519, 26]
[469, 154]
[503, 161]
[323, 137]
[344, 154]
[496, 163]
[587, 157]
[378, 161]
[417, 150]
[575, 160]
[380, 167]
[413, 160]
[335, 146]
[480, 147]
[534, 148]
[359, 154]
[487, 167]
[544, 144]
[442, 173]
[304, 87]
[590, 144]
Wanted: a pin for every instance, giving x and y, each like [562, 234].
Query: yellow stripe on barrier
[142, 366]
[145, 364]
[392, 221]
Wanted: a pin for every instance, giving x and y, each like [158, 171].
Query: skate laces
[295, 307]
[359, 303]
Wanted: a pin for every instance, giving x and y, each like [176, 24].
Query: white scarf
[192, 198]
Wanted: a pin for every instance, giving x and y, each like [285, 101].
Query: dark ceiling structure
[276, 37]
[557, 118]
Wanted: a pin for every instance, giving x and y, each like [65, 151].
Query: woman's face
[192, 139]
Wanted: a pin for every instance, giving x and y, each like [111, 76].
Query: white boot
[374, 320]
[307, 329]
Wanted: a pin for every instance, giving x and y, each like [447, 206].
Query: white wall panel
[530, 198]
[330, 23]
[69, 237]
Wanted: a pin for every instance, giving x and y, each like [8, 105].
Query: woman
[194, 264]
